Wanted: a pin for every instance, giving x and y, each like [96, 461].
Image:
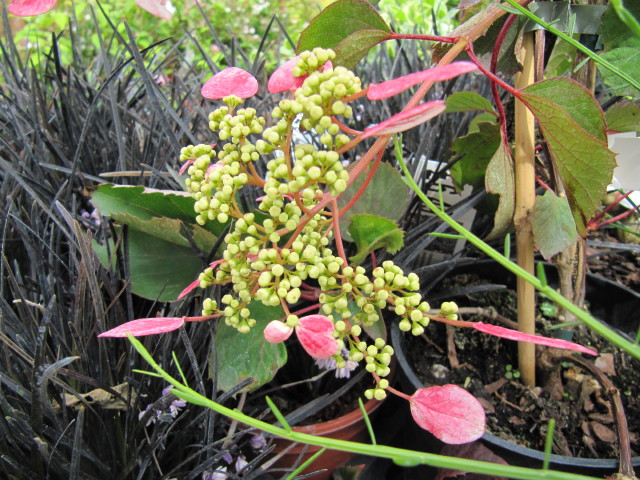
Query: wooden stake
[525, 202]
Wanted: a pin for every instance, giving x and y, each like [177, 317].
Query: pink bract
[502, 332]
[230, 81]
[436, 74]
[315, 333]
[145, 326]
[282, 80]
[156, 8]
[29, 8]
[277, 332]
[196, 283]
[449, 412]
[403, 121]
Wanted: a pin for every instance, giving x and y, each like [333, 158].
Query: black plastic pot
[607, 299]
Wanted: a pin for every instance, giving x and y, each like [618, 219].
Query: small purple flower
[219, 474]
[241, 463]
[258, 442]
[330, 364]
[227, 458]
[173, 411]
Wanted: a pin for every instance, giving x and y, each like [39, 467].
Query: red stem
[494, 62]
[431, 38]
[609, 207]
[364, 185]
[336, 232]
[617, 217]
[344, 128]
[201, 318]
[390, 389]
[544, 185]
[490, 75]
[306, 309]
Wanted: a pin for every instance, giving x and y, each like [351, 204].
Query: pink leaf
[156, 7]
[392, 87]
[145, 326]
[502, 332]
[408, 119]
[192, 286]
[449, 412]
[315, 333]
[230, 81]
[29, 8]
[277, 332]
[282, 80]
[196, 283]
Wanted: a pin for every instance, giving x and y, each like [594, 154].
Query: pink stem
[490, 75]
[336, 232]
[365, 184]
[306, 309]
[431, 38]
[201, 318]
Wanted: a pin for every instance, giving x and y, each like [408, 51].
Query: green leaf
[553, 226]
[162, 214]
[158, 269]
[485, 117]
[353, 48]
[575, 100]
[627, 17]
[614, 33]
[386, 195]
[477, 150]
[584, 162]
[467, 101]
[626, 59]
[623, 117]
[243, 355]
[499, 179]
[371, 232]
[350, 27]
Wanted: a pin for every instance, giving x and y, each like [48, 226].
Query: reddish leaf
[408, 119]
[156, 7]
[436, 74]
[230, 81]
[277, 332]
[449, 412]
[502, 332]
[145, 326]
[28, 8]
[315, 333]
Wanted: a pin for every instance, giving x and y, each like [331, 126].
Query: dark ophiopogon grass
[61, 126]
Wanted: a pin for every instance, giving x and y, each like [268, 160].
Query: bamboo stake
[525, 202]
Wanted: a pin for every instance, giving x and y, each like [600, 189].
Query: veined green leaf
[243, 355]
[349, 27]
[370, 232]
[554, 228]
[584, 162]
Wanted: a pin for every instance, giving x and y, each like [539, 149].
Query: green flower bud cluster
[312, 60]
[236, 127]
[236, 314]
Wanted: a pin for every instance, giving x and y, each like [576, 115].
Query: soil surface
[487, 366]
[618, 265]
